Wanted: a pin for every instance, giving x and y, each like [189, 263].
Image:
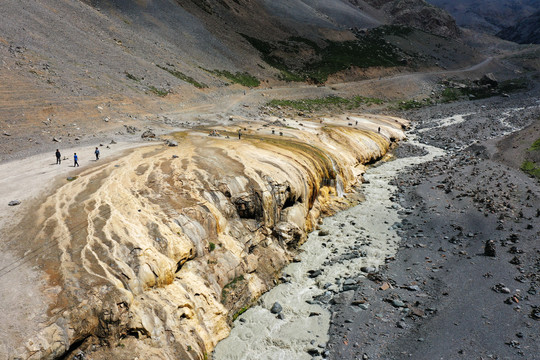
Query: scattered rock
[56, 139]
[501, 288]
[276, 308]
[324, 232]
[413, 287]
[172, 143]
[148, 134]
[368, 269]
[489, 248]
[14, 203]
[398, 303]
[131, 129]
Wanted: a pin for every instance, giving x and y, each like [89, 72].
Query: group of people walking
[75, 157]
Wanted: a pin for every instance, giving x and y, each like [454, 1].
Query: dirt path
[24, 180]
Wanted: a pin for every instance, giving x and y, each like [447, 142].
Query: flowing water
[364, 231]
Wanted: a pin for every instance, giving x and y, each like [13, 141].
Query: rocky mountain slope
[489, 17]
[527, 31]
[107, 63]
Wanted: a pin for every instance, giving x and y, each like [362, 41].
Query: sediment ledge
[153, 254]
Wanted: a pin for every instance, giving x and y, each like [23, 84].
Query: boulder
[148, 134]
[488, 80]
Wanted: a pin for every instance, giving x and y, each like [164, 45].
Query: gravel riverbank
[443, 296]
[406, 274]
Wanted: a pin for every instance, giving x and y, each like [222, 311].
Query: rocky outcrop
[159, 249]
[420, 15]
[526, 31]
[475, 15]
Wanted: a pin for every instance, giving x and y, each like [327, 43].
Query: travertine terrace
[161, 247]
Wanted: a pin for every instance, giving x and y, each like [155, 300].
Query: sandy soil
[26, 180]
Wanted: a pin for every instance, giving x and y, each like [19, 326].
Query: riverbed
[354, 241]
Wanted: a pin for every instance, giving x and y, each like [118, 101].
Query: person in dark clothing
[75, 160]
[97, 154]
[239, 134]
[58, 157]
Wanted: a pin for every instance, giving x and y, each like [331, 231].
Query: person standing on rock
[239, 134]
[75, 160]
[97, 154]
[58, 157]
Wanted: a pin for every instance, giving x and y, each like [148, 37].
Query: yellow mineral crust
[160, 248]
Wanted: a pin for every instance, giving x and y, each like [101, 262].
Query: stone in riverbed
[324, 232]
[276, 308]
[368, 269]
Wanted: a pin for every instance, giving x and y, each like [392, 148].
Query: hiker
[97, 154]
[379, 130]
[75, 160]
[239, 134]
[58, 157]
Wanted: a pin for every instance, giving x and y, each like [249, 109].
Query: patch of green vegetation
[531, 168]
[183, 77]
[473, 90]
[535, 146]
[230, 286]
[368, 50]
[413, 104]
[326, 103]
[240, 312]
[158, 92]
[373, 50]
[211, 246]
[132, 77]
[513, 85]
[242, 78]
[451, 94]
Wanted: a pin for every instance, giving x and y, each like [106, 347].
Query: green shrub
[183, 77]
[242, 78]
[531, 168]
[158, 92]
[535, 146]
[131, 76]
[329, 102]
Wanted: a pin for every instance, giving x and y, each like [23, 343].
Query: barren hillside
[78, 69]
